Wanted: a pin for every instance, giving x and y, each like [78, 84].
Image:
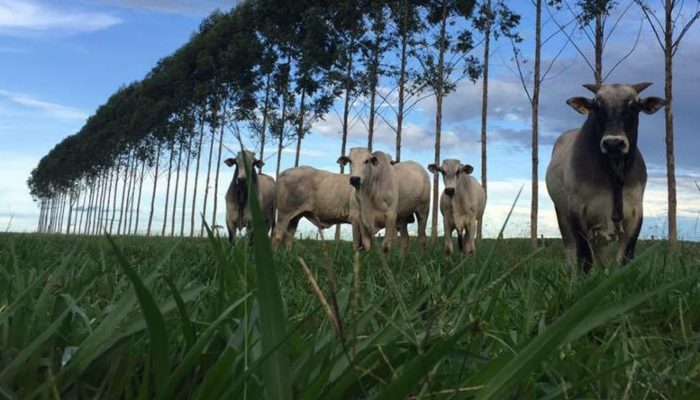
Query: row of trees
[267, 71]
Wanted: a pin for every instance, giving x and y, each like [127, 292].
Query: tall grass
[164, 318]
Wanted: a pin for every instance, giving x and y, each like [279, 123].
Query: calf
[462, 203]
[388, 196]
[238, 214]
[323, 197]
[597, 175]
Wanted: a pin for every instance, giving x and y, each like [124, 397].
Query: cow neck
[241, 191]
[463, 186]
[378, 179]
[615, 169]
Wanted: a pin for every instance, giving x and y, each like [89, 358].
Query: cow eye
[367, 161]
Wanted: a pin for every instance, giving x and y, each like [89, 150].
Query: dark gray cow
[597, 175]
[238, 214]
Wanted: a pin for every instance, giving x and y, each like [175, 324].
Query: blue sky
[61, 60]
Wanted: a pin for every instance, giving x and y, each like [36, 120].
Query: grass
[98, 317]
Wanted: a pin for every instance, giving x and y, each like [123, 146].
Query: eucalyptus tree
[493, 18]
[677, 21]
[373, 48]
[445, 59]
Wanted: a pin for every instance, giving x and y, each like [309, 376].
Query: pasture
[81, 317]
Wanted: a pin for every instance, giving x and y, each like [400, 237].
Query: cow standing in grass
[462, 204]
[322, 197]
[389, 195]
[238, 215]
[597, 175]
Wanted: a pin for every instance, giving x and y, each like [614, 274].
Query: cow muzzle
[240, 180]
[450, 192]
[614, 146]
[355, 181]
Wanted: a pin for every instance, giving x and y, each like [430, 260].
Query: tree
[669, 40]
[505, 20]
[453, 62]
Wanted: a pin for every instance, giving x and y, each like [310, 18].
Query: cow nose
[614, 146]
[355, 181]
[240, 180]
[450, 191]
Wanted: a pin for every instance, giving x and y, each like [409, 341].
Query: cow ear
[468, 169]
[581, 104]
[651, 105]
[343, 160]
[258, 163]
[230, 162]
[592, 87]
[433, 168]
[374, 160]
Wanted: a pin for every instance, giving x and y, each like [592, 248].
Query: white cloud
[193, 7]
[21, 17]
[54, 110]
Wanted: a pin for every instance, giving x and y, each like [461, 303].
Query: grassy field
[83, 317]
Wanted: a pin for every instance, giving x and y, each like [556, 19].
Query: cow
[596, 177]
[238, 215]
[322, 197]
[462, 203]
[389, 195]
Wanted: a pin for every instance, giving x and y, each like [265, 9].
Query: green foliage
[73, 324]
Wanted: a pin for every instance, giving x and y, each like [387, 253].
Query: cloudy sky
[61, 60]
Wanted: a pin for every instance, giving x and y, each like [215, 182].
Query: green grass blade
[500, 381]
[273, 321]
[154, 321]
[187, 328]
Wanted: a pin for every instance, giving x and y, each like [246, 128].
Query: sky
[61, 60]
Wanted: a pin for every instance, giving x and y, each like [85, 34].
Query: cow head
[240, 163]
[615, 112]
[450, 170]
[362, 163]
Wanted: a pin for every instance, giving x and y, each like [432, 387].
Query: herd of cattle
[596, 179]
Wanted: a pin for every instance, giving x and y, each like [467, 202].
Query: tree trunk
[132, 199]
[373, 92]
[484, 111]
[196, 175]
[167, 188]
[62, 206]
[402, 79]
[114, 202]
[153, 196]
[79, 226]
[41, 217]
[535, 126]
[184, 191]
[50, 216]
[105, 216]
[346, 110]
[100, 204]
[206, 186]
[138, 201]
[177, 186]
[668, 119]
[88, 216]
[218, 168]
[439, 92]
[300, 128]
[284, 117]
[70, 211]
[266, 110]
[599, 30]
[125, 190]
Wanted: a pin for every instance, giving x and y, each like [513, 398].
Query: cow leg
[422, 217]
[567, 237]
[279, 231]
[470, 247]
[291, 231]
[389, 231]
[403, 228]
[583, 249]
[448, 228]
[231, 228]
[600, 249]
[626, 251]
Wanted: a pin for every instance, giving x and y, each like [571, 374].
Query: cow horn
[593, 87]
[641, 86]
